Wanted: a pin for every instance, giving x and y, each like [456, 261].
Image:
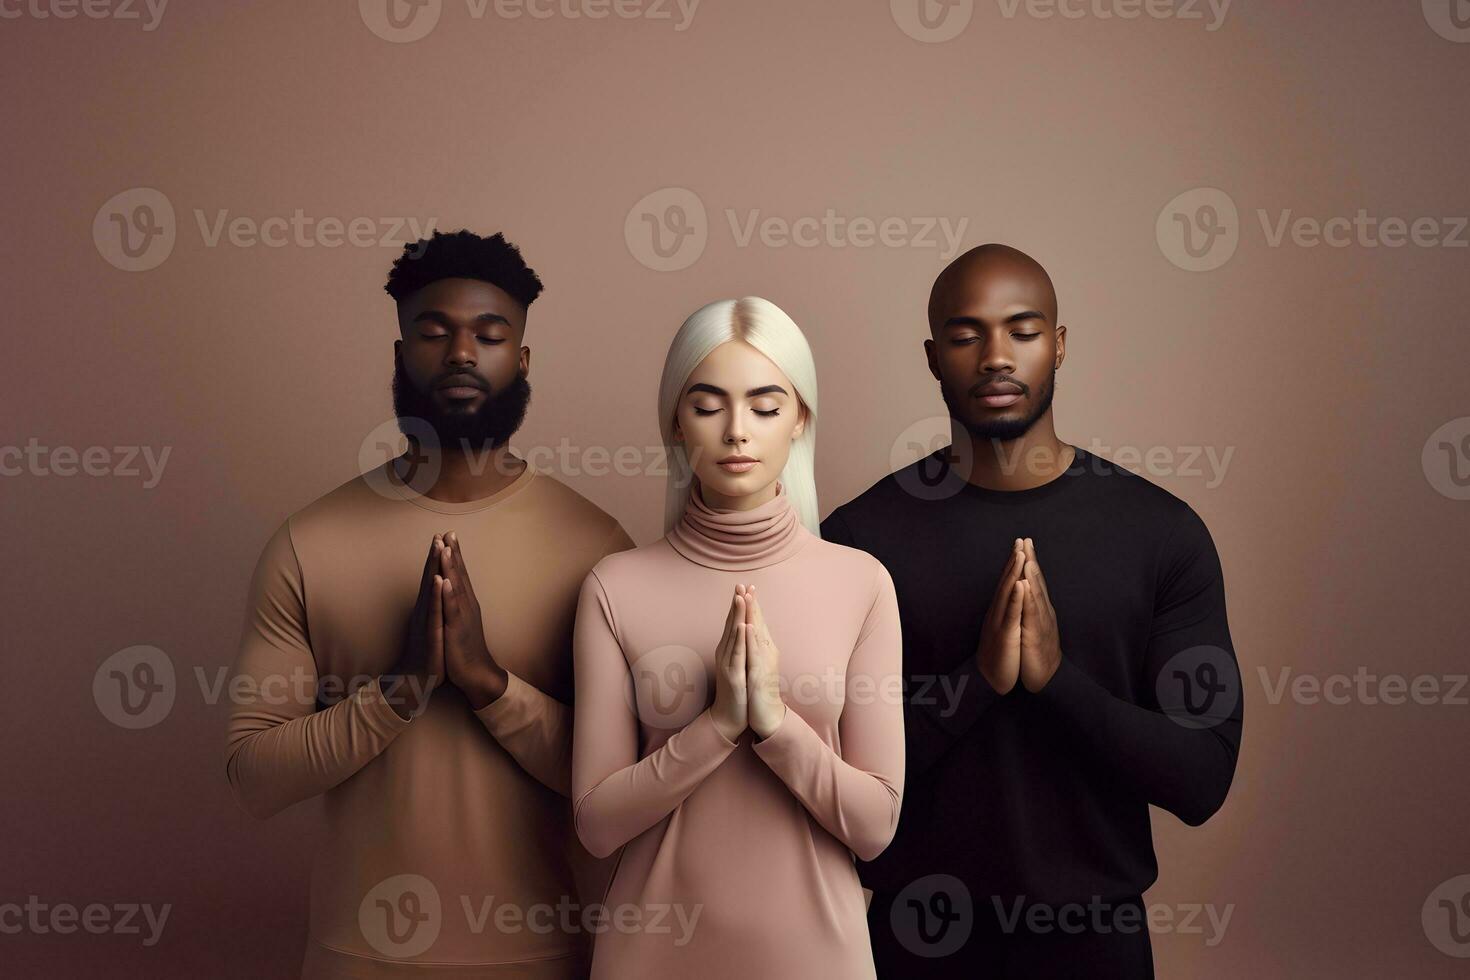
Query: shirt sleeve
[616, 795]
[938, 710]
[534, 727]
[856, 795]
[1178, 750]
[279, 748]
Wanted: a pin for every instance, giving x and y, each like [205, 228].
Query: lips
[996, 388]
[461, 386]
[999, 394]
[736, 464]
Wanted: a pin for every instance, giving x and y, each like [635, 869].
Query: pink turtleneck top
[737, 858]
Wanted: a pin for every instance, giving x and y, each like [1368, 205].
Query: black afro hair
[463, 255]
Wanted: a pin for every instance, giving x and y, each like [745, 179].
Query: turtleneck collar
[739, 540]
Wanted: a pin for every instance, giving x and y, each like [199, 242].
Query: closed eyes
[768, 413]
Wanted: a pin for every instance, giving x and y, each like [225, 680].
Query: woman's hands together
[747, 671]
[729, 709]
[762, 670]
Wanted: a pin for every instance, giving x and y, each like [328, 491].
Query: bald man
[1067, 662]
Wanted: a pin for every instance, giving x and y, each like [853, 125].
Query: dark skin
[468, 331]
[420, 667]
[994, 330]
[459, 332]
[445, 638]
[467, 660]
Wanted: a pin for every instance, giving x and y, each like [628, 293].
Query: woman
[739, 719]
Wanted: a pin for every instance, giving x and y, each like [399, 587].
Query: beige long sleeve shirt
[449, 851]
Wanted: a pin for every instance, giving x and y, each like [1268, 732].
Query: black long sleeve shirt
[1044, 797]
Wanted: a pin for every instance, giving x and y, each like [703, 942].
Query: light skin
[737, 402]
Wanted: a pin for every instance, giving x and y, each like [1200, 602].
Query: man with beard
[407, 659]
[1067, 662]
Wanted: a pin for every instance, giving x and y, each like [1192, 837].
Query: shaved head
[995, 344]
[990, 270]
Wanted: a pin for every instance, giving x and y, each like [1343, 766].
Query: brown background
[1324, 370]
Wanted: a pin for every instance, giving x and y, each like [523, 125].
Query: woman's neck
[747, 501]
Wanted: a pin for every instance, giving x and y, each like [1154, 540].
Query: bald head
[988, 275]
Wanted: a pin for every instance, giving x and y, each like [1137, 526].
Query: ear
[800, 425]
[678, 431]
[1061, 344]
[930, 356]
[397, 348]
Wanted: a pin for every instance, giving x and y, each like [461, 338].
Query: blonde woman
[738, 723]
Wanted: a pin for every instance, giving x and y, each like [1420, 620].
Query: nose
[735, 434]
[997, 356]
[461, 352]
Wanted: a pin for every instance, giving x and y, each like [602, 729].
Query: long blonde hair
[766, 327]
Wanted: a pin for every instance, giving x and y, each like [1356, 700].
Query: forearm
[1175, 750]
[612, 810]
[535, 728]
[617, 795]
[407, 693]
[272, 763]
[858, 807]
[855, 794]
[939, 710]
[1185, 770]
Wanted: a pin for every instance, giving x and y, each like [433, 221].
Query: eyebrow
[975, 321]
[768, 389]
[445, 320]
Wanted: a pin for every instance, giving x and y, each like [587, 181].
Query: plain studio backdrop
[1253, 212]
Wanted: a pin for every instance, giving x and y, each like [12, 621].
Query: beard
[499, 416]
[1000, 429]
